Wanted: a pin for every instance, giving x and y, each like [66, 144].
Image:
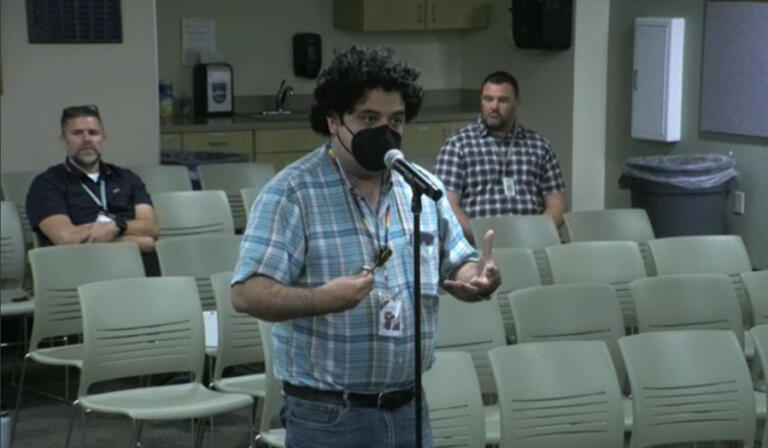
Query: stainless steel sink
[275, 115]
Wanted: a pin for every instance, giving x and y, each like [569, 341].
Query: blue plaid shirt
[305, 229]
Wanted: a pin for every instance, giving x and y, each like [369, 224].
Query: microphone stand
[416, 209]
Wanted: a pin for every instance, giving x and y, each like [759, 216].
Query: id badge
[509, 186]
[103, 218]
[390, 316]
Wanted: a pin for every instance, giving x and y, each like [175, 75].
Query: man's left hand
[476, 281]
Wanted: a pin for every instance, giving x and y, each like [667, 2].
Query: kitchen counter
[296, 120]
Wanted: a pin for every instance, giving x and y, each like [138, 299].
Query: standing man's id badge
[390, 315]
[509, 186]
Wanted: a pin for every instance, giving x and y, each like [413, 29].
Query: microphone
[395, 160]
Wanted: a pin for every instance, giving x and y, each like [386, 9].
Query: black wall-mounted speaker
[307, 54]
[542, 24]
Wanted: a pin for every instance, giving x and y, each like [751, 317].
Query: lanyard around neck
[101, 203]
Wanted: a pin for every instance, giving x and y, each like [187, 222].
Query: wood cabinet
[282, 146]
[239, 142]
[170, 142]
[409, 15]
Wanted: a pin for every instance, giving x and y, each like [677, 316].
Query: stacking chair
[579, 311]
[57, 272]
[518, 270]
[474, 328]
[232, 177]
[15, 186]
[271, 431]
[249, 195]
[756, 285]
[687, 301]
[558, 394]
[142, 327]
[705, 254]
[454, 401]
[185, 213]
[689, 386]
[12, 258]
[759, 334]
[535, 232]
[199, 256]
[239, 345]
[164, 178]
[614, 262]
[618, 224]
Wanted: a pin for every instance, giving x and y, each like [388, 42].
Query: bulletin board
[734, 78]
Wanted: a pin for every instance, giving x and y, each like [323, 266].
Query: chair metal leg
[75, 406]
[199, 432]
[18, 394]
[134, 435]
[138, 434]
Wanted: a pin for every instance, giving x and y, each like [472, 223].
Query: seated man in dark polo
[85, 200]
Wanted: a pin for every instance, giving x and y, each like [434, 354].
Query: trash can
[683, 194]
[192, 159]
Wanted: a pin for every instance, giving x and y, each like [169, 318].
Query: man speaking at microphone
[327, 255]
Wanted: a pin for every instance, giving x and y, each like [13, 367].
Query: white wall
[255, 38]
[40, 79]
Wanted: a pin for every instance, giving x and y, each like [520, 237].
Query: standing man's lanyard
[101, 203]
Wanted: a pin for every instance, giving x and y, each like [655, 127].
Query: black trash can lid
[691, 171]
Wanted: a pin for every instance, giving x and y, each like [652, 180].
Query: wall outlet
[738, 202]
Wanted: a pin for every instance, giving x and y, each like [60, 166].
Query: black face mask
[370, 145]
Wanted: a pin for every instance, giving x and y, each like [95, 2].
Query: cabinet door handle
[634, 79]
[419, 13]
[434, 12]
[217, 143]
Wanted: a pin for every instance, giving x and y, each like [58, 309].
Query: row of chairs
[230, 178]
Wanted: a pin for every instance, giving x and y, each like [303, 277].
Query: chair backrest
[455, 404]
[518, 270]
[185, 213]
[535, 232]
[239, 337]
[199, 256]
[579, 311]
[705, 254]
[688, 386]
[618, 224]
[557, 394]
[756, 285]
[273, 399]
[614, 262]
[58, 271]
[140, 326]
[249, 195]
[760, 336]
[232, 177]
[685, 302]
[164, 178]
[12, 251]
[15, 186]
[474, 328]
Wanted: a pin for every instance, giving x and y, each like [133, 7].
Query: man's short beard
[86, 166]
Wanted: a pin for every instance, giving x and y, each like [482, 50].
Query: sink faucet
[282, 91]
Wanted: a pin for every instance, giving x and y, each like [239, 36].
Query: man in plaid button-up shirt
[496, 166]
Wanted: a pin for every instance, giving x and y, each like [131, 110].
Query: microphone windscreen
[391, 156]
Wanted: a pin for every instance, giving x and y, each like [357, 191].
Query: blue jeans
[319, 424]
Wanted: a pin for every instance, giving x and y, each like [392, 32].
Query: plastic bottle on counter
[166, 98]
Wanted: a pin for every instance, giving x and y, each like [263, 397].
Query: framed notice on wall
[74, 21]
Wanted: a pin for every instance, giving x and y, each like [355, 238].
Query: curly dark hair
[356, 71]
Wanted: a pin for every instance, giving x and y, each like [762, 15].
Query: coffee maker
[213, 89]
